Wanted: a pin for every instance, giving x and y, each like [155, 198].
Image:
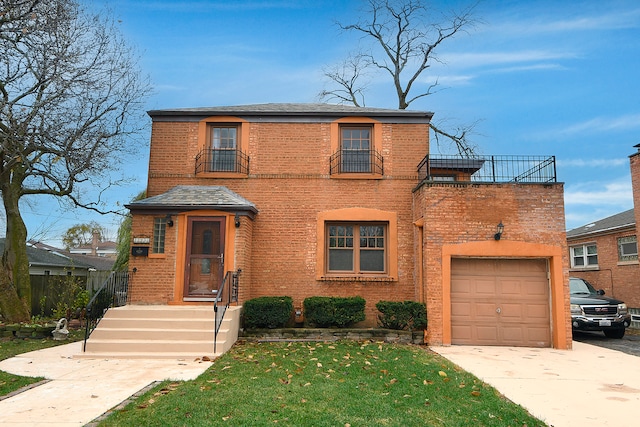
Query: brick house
[605, 252]
[317, 199]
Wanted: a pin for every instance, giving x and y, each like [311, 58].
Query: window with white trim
[584, 256]
[627, 248]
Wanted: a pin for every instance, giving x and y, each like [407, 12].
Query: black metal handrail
[222, 160]
[114, 292]
[490, 169]
[356, 161]
[226, 294]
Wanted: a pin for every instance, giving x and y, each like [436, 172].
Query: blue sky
[539, 78]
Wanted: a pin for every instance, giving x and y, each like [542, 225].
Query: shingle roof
[293, 110]
[195, 197]
[45, 258]
[612, 223]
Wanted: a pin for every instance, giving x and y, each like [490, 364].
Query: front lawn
[343, 383]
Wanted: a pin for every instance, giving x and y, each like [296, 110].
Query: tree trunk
[15, 283]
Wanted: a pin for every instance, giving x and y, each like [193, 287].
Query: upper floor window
[584, 256]
[627, 248]
[221, 148]
[224, 140]
[159, 232]
[356, 151]
[356, 248]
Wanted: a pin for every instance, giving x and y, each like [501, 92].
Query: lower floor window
[357, 248]
[627, 248]
[584, 256]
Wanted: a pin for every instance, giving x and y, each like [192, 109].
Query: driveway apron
[587, 386]
[81, 390]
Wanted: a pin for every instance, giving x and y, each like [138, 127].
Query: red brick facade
[280, 250]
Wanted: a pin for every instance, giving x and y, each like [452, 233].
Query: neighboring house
[97, 248]
[605, 252]
[318, 199]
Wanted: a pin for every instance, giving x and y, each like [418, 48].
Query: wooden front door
[205, 258]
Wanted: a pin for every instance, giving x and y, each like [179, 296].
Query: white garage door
[500, 302]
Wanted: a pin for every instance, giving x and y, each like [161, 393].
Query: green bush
[398, 315]
[267, 312]
[324, 312]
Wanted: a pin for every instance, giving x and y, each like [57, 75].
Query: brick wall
[290, 185]
[617, 279]
[462, 213]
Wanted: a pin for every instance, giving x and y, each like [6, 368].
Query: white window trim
[585, 256]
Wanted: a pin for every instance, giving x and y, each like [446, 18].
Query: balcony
[222, 160]
[356, 161]
[488, 169]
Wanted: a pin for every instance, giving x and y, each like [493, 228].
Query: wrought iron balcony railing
[493, 169]
[356, 161]
[222, 160]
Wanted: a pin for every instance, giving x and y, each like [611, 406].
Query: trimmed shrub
[398, 315]
[325, 312]
[267, 312]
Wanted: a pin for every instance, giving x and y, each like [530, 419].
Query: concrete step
[162, 312]
[162, 332]
[160, 324]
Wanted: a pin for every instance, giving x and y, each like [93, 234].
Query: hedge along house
[316, 199]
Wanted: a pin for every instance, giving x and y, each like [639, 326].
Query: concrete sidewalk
[81, 390]
[584, 387]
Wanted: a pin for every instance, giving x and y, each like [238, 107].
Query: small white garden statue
[61, 332]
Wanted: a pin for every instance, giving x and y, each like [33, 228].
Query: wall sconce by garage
[499, 231]
[237, 220]
[168, 220]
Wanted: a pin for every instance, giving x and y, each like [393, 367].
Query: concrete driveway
[588, 386]
[629, 344]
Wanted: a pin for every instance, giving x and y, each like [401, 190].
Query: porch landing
[161, 332]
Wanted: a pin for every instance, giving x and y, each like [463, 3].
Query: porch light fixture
[499, 230]
[168, 220]
[237, 220]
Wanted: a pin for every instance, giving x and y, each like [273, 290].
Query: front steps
[161, 332]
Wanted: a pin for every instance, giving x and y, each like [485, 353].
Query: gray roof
[613, 223]
[273, 111]
[44, 258]
[189, 197]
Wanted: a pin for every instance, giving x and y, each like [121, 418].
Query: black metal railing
[356, 161]
[226, 294]
[491, 169]
[222, 160]
[114, 292]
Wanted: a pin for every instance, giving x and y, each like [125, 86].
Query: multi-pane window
[159, 232]
[584, 256]
[627, 248]
[223, 148]
[355, 143]
[357, 248]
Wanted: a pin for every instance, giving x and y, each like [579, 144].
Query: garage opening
[500, 302]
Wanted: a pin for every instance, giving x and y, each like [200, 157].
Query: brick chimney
[634, 162]
[95, 241]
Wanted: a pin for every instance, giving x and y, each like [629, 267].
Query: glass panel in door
[205, 257]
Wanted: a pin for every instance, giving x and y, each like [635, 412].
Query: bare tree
[404, 43]
[71, 93]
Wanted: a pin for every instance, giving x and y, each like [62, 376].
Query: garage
[500, 302]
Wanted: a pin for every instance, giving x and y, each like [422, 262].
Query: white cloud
[604, 163]
[474, 59]
[603, 124]
[615, 193]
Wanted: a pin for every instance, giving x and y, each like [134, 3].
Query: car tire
[614, 333]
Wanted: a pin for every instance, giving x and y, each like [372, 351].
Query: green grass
[12, 347]
[325, 384]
